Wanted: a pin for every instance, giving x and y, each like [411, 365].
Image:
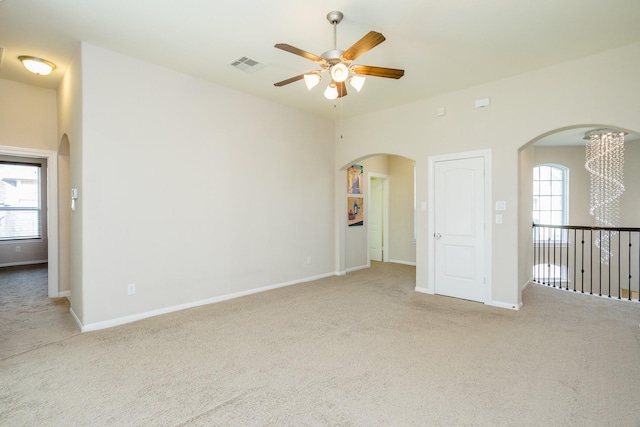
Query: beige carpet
[28, 318]
[360, 350]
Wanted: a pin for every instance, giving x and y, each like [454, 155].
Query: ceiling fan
[339, 63]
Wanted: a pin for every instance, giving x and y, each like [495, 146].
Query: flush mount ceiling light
[36, 65]
[339, 63]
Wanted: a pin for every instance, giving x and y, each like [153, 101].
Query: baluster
[591, 263]
[582, 266]
[609, 239]
[629, 271]
[575, 257]
[619, 264]
[553, 232]
[560, 262]
[539, 259]
[600, 264]
[548, 255]
[533, 236]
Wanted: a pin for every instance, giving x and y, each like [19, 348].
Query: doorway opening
[51, 208]
[388, 222]
[378, 215]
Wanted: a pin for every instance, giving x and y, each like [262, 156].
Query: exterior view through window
[550, 198]
[550, 195]
[20, 201]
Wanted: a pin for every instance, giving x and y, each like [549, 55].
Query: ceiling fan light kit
[331, 92]
[357, 82]
[312, 80]
[338, 63]
[339, 72]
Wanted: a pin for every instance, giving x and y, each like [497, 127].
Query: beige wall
[27, 121]
[27, 116]
[525, 210]
[402, 247]
[630, 200]
[523, 108]
[579, 182]
[193, 191]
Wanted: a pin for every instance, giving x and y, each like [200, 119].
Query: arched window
[550, 197]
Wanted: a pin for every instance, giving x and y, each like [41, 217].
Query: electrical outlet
[131, 289]
[18, 249]
[308, 260]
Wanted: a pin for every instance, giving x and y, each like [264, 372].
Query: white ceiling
[444, 45]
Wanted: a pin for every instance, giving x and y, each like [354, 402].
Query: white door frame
[385, 209]
[488, 214]
[52, 208]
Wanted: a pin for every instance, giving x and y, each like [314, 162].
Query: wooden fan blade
[299, 52]
[365, 44]
[368, 70]
[342, 89]
[291, 80]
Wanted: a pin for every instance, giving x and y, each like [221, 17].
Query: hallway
[28, 317]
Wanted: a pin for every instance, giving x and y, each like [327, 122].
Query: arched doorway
[397, 220]
[565, 147]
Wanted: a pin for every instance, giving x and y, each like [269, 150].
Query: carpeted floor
[358, 350]
[28, 318]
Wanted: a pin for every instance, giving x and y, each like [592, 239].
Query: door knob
[437, 235]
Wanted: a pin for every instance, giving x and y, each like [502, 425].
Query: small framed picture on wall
[355, 211]
[354, 179]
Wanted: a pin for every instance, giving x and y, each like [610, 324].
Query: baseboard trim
[526, 285]
[506, 305]
[73, 314]
[139, 316]
[398, 261]
[63, 294]
[13, 264]
[423, 290]
[361, 267]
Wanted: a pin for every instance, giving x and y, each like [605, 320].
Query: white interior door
[376, 219]
[459, 235]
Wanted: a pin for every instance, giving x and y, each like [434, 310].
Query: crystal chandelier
[605, 162]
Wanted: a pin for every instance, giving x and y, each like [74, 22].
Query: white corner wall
[70, 137]
[193, 191]
[522, 108]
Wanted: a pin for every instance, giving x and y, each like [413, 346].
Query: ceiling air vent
[247, 65]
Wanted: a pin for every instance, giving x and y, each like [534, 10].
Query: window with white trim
[21, 200]
[550, 199]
